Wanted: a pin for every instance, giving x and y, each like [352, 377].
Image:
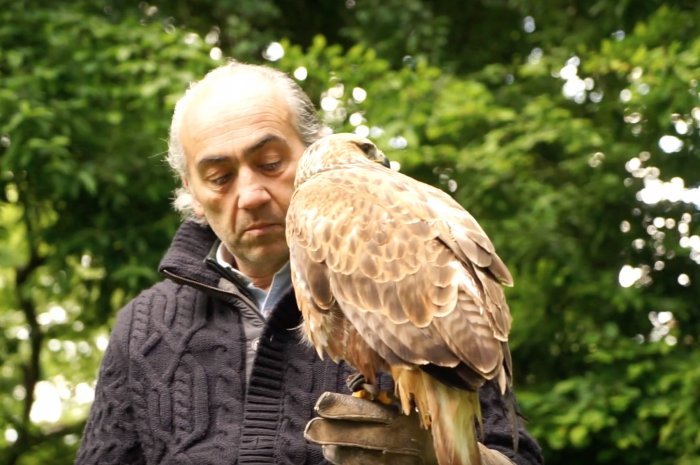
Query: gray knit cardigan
[172, 388]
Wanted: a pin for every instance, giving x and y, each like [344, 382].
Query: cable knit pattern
[172, 390]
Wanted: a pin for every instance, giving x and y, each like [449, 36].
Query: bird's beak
[385, 161]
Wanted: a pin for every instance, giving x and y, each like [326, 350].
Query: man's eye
[220, 180]
[270, 166]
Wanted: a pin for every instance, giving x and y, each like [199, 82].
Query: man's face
[241, 156]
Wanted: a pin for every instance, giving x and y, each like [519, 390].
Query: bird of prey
[393, 275]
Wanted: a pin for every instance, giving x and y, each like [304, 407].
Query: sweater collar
[191, 260]
[187, 253]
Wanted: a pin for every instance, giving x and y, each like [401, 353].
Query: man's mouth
[262, 228]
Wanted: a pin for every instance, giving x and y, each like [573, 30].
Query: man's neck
[259, 277]
[261, 282]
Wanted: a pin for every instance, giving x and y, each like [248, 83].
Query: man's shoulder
[159, 294]
[161, 298]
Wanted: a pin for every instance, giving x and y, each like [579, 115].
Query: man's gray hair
[305, 121]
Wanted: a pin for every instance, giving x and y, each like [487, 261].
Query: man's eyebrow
[210, 160]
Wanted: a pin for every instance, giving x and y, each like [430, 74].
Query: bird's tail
[452, 418]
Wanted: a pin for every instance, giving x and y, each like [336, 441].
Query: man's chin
[269, 252]
[256, 239]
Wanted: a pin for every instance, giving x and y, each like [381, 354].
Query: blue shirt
[266, 300]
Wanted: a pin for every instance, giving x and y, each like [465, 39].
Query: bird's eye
[367, 147]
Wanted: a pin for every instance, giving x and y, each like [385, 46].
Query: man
[207, 367]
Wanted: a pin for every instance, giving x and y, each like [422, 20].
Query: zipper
[213, 290]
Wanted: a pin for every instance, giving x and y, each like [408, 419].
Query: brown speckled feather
[392, 274]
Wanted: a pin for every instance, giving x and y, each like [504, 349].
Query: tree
[86, 101]
[569, 131]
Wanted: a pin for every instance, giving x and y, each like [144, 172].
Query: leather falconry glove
[354, 431]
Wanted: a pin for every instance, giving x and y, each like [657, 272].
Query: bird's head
[336, 150]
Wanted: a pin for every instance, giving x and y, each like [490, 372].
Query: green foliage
[546, 122]
[83, 198]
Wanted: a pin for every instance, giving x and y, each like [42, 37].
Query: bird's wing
[462, 234]
[417, 285]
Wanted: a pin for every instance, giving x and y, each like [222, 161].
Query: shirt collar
[266, 300]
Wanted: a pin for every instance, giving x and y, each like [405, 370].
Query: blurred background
[569, 128]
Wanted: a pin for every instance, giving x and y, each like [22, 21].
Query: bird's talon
[362, 394]
[385, 398]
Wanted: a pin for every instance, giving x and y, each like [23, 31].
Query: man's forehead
[236, 84]
[242, 91]
[234, 113]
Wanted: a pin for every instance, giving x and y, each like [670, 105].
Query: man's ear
[196, 206]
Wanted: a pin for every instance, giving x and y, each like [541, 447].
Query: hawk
[393, 275]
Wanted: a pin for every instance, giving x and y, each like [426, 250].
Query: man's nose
[252, 191]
